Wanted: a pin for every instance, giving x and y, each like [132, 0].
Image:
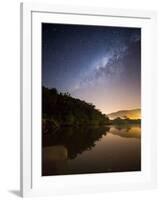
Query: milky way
[98, 64]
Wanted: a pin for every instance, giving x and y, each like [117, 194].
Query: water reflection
[76, 140]
[126, 131]
[91, 150]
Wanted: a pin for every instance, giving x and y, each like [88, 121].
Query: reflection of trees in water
[127, 131]
[76, 140]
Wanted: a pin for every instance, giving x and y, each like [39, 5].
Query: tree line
[60, 109]
[125, 121]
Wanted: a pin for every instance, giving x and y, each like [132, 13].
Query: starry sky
[98, 64]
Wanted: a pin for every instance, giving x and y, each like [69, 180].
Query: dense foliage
[60, 109]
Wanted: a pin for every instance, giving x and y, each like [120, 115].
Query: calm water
[92, 150]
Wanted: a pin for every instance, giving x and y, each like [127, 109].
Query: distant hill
[132, 114]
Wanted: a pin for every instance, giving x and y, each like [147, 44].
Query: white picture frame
[32, 183]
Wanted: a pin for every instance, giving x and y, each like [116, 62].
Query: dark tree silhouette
[63, 110]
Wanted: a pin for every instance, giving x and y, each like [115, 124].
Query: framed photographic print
[87, 99]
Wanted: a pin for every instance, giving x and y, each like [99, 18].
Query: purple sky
[101, 65]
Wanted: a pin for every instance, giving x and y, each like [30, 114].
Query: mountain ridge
[131, 113]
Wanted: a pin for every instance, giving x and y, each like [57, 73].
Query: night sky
[98, 64]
